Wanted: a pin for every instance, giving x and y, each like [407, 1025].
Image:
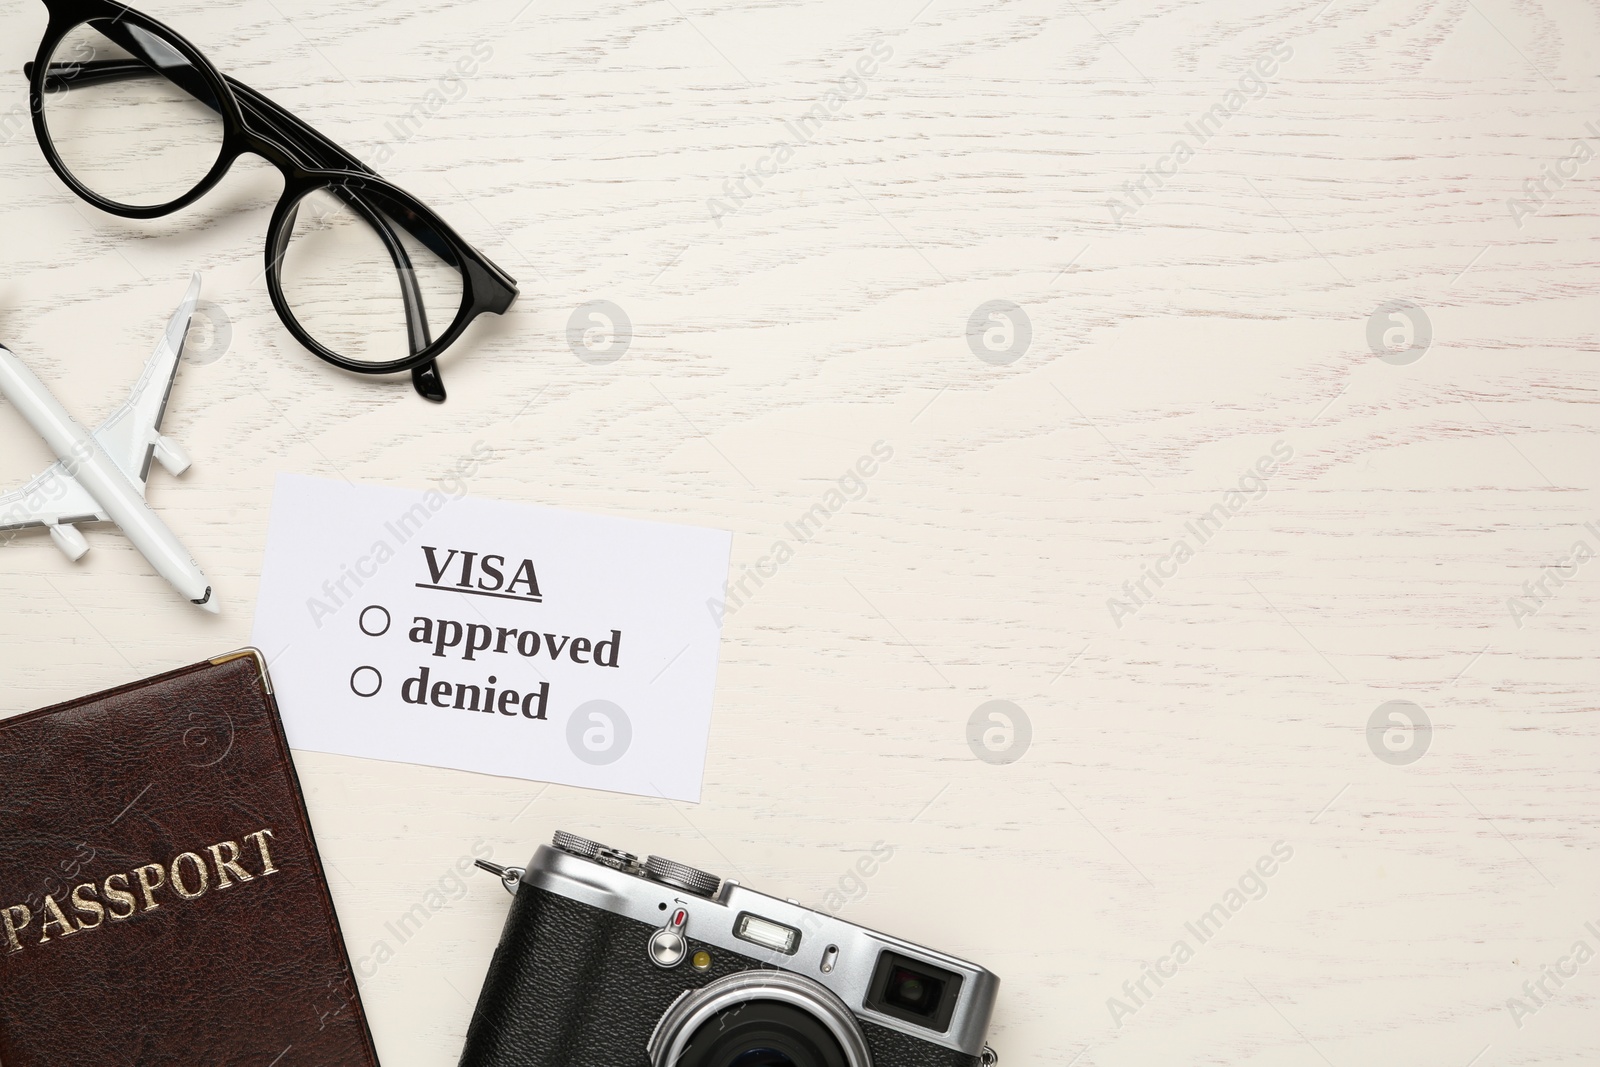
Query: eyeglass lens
[140, 131]
[362, 283]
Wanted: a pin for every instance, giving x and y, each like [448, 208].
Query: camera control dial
[573, 845]
[681, 876]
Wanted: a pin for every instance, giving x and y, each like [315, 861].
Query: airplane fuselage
[88, 464]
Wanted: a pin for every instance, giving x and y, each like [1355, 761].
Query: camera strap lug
[989, 1057]
[509, 876]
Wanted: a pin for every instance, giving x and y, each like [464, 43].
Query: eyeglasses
[138, 123]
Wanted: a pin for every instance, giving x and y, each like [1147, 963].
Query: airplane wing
[52, 499]
[131, 434]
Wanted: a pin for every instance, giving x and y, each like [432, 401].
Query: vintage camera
[609, 962]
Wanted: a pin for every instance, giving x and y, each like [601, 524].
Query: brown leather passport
[161, 898]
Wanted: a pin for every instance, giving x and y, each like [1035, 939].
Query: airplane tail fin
[178, 325]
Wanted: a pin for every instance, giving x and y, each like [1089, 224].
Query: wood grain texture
[773, 346]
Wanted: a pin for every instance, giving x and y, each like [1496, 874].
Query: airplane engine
[69, 541]
[171, 455]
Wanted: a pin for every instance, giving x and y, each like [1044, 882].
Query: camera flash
[767, 934]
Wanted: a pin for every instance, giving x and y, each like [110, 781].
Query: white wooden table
[1166, 340]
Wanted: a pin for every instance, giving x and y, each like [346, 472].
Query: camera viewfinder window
[914, 991]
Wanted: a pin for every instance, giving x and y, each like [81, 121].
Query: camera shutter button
[618, 860]
[668, 947]
[681, 876]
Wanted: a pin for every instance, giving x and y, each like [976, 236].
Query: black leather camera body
[609, 962]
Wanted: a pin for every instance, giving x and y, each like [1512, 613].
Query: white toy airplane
[101, 476]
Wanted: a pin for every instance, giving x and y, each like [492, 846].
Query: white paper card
[488, 636]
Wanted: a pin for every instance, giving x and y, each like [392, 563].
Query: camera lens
[763, 1033]
[759, 1018]
[762, 1057]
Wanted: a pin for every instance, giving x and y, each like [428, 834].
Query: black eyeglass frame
[308, 161]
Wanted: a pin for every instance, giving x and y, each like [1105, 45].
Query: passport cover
[161, 897]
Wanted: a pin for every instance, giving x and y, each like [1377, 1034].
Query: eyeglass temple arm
[313, 149]
[326, 155]
[320, 152]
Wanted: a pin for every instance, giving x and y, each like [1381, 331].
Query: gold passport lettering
[119, 896]
[187, 877]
